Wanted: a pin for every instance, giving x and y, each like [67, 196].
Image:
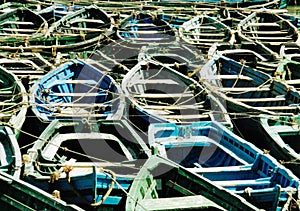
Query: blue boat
[141, 28]
[76, 90]
[213, 151]
[280, 135]
[91, 165]
[171, 96]
[10, 154]
[252, 54]
[248, 91]
[164, 185]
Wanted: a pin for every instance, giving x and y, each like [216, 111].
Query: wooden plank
[229, 77]
[243, 89]
[206, 40]
[142, 32]
[84, 29]
[194, 116]
[17, 22]
[156, 81]
[167, 95]
[86, 20]
[206, 34]
[293, 82]
[92, 94]
[272, 38]
[277, 108]
[19, 30]
[83, 105]
[245, 100]
[266, 32]
[247, 182]
[272, 24]
[178, 203]
[172, 107]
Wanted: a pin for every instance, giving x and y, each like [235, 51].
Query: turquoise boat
[216, 153]
[164, 185]
[91, 165]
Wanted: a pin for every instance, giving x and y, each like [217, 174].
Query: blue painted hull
[239, 167]
[76, 84]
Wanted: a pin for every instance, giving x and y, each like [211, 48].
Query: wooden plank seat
[272, 38]
[229, 77]
[84, 29]
[172, 107]
[243, 89]
[147, 38]
[128, 26]
[155, 81]
[277, 107]
[266, 99]
[203, 41]
[267, 32]
[167, 95]
[207, 34]
[195, 27]
[92, 94]
[78, 114]
[178, 203]
[14, 35]
[142, 32]
[77, 105]
[293, 81]
[271, 24]
[183, 117]
[19, 30]
[247, 183]
[82, 20]
[16, 23]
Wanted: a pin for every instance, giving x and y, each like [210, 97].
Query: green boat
[13, 101]
[164, 185]
[77, 31]
[16, 194]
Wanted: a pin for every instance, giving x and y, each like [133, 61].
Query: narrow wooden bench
[178, 203]
[167, 95]
[267, 99]
[172, 107]
[243, 89]
[263, 24]
[156, 81]
[184, 117]
[80, 20]
[17, 23]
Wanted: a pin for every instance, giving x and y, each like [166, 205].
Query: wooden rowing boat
[159, 90]
[18, 25]
[213, 151]
[91, 165]
[27, 66]
[248, 91]
[14, 101]
[76, 90]
[10, 154]
[77, 31]
[203, 31]
[19, 195]
[268, 28]
[164, 185]
[253, 54]
[142, 28]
